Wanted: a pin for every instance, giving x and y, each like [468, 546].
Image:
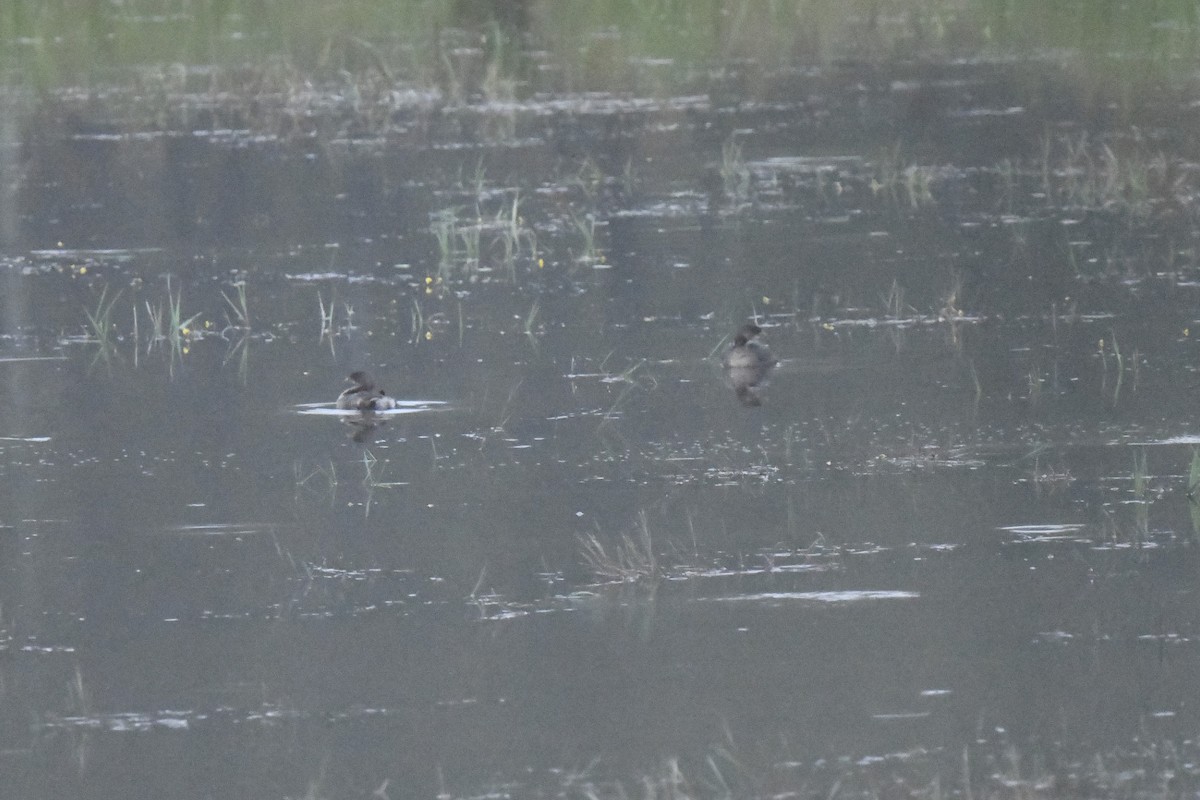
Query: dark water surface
[946, 545]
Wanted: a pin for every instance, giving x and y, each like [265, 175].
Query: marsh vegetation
[948, 550]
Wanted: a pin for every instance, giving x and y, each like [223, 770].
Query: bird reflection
[363, 425]
[748, 383]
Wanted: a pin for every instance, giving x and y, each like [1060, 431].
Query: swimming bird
[745, 353]
[362, 395]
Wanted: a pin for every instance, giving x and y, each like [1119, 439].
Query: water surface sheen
[949, 537]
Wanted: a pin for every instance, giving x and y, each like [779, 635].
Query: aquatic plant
[1139, 475]
[626, 378]
[918, 185]
[893, 302]
[179, 329]
[896, 180]
[1141, 497]
[1033, 383]
[531, 320]
[443, 226]
[327, 316]
[101, 322]
[975, 381]
[629, 560]
[1114, 175]
[735, 174]
[1119, 362]
[240, 308]
[1049, 479]
[1194, 474]
[589, 178]
[420, 328]
[465, 248]
[469, 235]
[240, 349]
[513, 234]
[585, 224]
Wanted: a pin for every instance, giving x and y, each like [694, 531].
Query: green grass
[101, 322]
[269, 47]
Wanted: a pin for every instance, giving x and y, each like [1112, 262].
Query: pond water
[945, 545]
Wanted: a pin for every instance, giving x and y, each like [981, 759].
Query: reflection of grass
[896, 180]
[319, 480]
[626, 377]
[240, 349]
[1141, 768]
[1080, 172]
[79, 699]
[1193, 488]
[1118, 359]
[443, 226]
[531, 320]
[1033, 382]
[101, 318]
[1139, 475]
[1141, 497]
[238, 304]
[1050, 479]
[1194, 474]
[589, 178]
[735, 174]
[417, 316]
